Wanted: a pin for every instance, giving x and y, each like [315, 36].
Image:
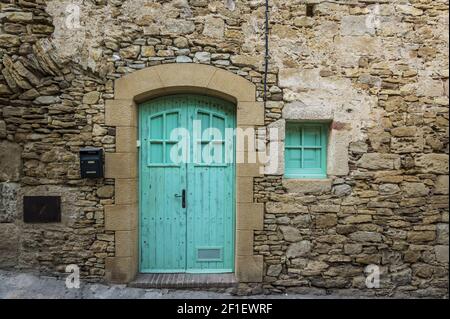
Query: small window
[161, 127]
[306, 150]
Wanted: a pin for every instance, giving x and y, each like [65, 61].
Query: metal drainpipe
[266, 58]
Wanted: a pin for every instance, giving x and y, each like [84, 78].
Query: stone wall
[378, 70]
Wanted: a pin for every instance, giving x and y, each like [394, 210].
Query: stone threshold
[183, 281]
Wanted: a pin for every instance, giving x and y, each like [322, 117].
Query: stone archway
[122, 217]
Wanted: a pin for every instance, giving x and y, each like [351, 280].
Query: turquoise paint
[171, 236]
[306, 150]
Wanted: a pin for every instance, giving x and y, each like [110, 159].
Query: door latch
[183, 198]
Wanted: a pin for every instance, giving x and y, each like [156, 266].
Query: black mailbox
[91, 162]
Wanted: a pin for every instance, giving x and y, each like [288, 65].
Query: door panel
[200, 237]
[210, 224]
[163, 220]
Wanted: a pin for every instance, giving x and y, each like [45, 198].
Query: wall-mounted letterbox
[91, 162]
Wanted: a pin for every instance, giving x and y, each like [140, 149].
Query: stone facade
[376, 70]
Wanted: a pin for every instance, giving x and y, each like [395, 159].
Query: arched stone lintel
[184, 78]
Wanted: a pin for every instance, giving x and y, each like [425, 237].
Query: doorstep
[182, 281]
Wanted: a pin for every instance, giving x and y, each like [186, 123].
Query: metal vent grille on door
[209, 254]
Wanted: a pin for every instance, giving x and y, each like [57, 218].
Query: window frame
[164, 140]
[308, 173]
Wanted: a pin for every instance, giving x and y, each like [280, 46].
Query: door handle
[183, 198]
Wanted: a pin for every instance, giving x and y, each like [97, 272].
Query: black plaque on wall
[42, 209]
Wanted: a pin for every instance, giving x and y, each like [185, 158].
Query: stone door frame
[122, 113]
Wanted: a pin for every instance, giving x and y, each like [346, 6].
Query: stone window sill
[299, 177]
[307, 186]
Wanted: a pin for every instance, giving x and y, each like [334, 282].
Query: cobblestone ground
[26, 286]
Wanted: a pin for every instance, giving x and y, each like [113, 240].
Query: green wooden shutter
[306, 150]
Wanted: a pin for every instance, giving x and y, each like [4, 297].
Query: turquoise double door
[187, 185]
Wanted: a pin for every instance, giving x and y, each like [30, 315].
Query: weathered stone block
[366, 236]
[126, 243]
[120, 269]
[120, 217]
[315, 268]
[407, 145]
[11, 161]
[240, 88]
[250, 216]
[377, 161]
[2, 129]
[302, 221]
[135, 86]
[126, 139]
[285, 208]
[441, 185]
[433, 163]
[9, 40]
[202, 57]
[91, 97]
[121, 165]
[305, 22]
[431, 88]
[442, 234]
[332, 239]
[421, 236]
[402, 278]
[9, 245]
[300, 249]
[46, 100]
[178, 26]
[371, 259]
[249, 268]
[290, 234]
[412, 256]
[126, 191]
[148, 51]
[404, 131]
[337, 159]
[274, 270]
[342, 190]
[357, 25]
[325, 208]
[389, 189]
[244, 189]
[307, 186]
[8, 202]
[250, 113]
[300, 111]
[358, 219]
[337, 282]
[195, 75]
[352, 249]
[415, 189]
[409, 10]
[244, 242]
[130, 52]
[120, 112]
[214, 27]
[18, 16]
[442, 253]
[326, 220]
[106, 191]
[358, 147]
